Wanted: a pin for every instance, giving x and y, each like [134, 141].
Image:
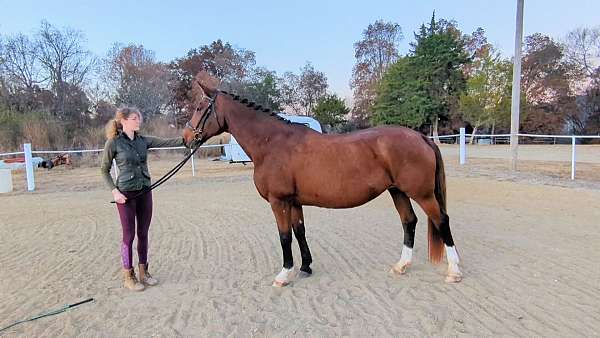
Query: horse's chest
[272, 181]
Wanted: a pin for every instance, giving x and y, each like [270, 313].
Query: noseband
[210, 110]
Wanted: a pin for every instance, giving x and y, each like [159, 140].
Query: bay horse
[296, 166]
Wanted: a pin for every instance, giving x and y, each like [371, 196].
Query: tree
[479, 49]
[330, 110]
[221, 60]
[65, 62]
[426, 85]
[19, 62]
[374, 54]
[400, 96]
[20, 76]
[582, 48]
[138, 79]
[546, 85]
[262, 88]
[289, 90]
[486, 101]
[312, 86]
[582, 52]
[439, 56]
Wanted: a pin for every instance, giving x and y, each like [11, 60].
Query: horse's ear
[207, 82]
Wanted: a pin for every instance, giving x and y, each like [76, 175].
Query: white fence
[28, 154]
[461, 139]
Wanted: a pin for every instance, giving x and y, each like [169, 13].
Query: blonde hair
[114, 126]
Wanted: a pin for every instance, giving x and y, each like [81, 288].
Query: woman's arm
[157, 142]
[107, 157]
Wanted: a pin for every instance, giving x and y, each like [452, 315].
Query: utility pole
[516, 88]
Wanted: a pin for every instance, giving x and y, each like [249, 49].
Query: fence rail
[28, 154]
[460, 139]
[462, 136]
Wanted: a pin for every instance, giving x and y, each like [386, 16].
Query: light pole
[516, 88]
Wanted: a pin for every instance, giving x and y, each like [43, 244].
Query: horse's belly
[340, 192]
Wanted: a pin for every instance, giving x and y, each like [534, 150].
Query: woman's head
[126, 118]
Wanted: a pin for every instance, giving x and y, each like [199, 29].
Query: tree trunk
[493, 140]
[473, 135]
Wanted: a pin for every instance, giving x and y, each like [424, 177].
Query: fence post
[462, 148]
[573, 157]
[193, 166]
[29, 167]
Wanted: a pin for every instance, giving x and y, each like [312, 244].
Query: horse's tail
[436, 245]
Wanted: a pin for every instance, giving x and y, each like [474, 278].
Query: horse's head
[205, 121]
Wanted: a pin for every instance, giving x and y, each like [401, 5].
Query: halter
[210, 109]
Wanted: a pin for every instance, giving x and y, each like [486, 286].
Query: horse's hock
[5, 180]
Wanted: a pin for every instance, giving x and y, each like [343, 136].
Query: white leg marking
[284, 277]
[452, 255]
[406, 254]
[404, 262]
[454, 274]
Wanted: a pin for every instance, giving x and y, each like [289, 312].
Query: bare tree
[220, 59]
[377, 50]
[289, 89]
[64, 60]
[583, 48]
[138, 79]
[20, 64]
[582, 53]
[312, 86]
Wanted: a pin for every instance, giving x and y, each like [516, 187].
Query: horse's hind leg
[409, 222]
[298, 226]
[439, 232]
[282, 211]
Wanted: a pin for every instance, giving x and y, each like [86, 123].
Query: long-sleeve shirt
[131, 158]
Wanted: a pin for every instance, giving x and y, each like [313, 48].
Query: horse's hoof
[280, 284]
[453, 278]
[307, 270]
[399, 269]
[304, 274]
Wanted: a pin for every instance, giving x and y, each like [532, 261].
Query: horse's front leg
[282, 211]
[299, 232]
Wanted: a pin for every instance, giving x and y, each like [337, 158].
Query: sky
[286, 34]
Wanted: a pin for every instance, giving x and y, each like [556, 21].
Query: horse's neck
[252, 129]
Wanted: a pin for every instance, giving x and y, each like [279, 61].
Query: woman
[130, 151]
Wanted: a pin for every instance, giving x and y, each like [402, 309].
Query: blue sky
[286, 34]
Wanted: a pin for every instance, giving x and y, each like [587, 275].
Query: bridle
[208, 111]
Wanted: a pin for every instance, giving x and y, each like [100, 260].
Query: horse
[296, 166]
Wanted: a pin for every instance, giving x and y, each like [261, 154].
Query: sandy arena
[528, 241]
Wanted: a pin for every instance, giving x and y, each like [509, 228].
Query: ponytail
[112, 128]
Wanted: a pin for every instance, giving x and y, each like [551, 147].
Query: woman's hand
[118, 197]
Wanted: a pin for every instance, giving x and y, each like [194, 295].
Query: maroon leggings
[139, 208]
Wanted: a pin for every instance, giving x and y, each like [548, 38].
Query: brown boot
[130, 281]
[145, 276]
